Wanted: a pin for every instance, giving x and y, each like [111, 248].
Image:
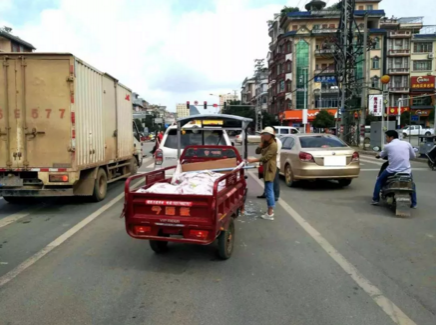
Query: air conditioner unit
[431, 56]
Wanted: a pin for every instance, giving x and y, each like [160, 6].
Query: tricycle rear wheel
[226, 241]
[158, 246]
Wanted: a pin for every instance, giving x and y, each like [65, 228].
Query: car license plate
[335, 161]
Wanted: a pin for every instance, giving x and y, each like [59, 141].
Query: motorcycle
[397, 191]
[431, 156]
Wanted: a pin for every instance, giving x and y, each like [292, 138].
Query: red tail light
[306, 157]
[199, 234]
[158, 157]
[141, 230]
[355, 157]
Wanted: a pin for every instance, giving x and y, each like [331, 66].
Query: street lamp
[384, 80]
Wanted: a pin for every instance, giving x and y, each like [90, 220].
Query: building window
[376, 44]
[288, 47]
[281, 86]
[376, 63]
[399, 43]
[289, 67]
[375, 82]
[289, 104]
[280, 50]
[294, 27]
[426, 47]
[369, 7]
[423, 101]
[422, 65]
[332, 26]
[361, 7]
[316, 27]
[288, 87]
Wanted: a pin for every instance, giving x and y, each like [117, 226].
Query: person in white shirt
[277, 177]
[399, 154]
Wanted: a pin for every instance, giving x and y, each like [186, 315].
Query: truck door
[35, 112]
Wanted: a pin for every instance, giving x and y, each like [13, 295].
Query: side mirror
[376, 149]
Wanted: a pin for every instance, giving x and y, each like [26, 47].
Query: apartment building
[11, 43]
[422, 75]
[227, 98]
[248, 91]
[182, 110]
[301, 64]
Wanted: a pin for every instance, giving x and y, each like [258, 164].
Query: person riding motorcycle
[399, 154]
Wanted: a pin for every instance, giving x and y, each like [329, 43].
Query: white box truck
[66, 129]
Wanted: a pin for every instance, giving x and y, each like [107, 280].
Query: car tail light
[58, 178]
[141, 230]
[198, 234]
[355, 157]
[306, 157]
[158, 157]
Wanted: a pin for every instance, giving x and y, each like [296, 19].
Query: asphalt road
[328, 258]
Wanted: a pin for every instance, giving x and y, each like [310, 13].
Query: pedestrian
[277, 177]
[268, 151]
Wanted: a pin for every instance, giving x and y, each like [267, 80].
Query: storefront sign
[418, 83]
[421, 112]
[297, 115]
[325, 79]
[394, 110]
[375, 105]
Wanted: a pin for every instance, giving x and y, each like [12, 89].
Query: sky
[168, 51]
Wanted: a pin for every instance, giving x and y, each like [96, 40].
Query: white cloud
[165, 56]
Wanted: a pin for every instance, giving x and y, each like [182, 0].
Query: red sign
[297, 115]
[394, 110]
[128, 97]
[425, 82]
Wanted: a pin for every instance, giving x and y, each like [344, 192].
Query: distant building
[226, 98]
[182, 110]
[11, 43]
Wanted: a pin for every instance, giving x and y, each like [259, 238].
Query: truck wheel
[133, 166]
[427, 134]
[158, 246]
[100, 187]
[226, 241]
[344, 182]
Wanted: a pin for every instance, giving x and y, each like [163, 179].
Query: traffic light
[205, 105]
[187, 105]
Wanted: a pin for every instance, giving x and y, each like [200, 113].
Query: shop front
[295, 117]
[422, 101]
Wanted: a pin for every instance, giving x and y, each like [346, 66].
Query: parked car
[411, 130]
[318, 156]
[166, 155]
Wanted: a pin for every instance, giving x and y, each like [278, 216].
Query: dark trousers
[276, 185]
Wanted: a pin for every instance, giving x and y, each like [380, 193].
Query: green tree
[370, 118]
[405, 118]
[336, 6]
[324, 120]
[287, 10]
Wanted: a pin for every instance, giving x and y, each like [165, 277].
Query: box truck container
[66, 129]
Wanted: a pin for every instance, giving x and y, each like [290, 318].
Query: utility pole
[364, 99]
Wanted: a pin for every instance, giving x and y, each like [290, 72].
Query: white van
[166, 155]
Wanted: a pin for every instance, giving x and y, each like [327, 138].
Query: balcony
[325, 71]
[400, 34]
[399, 71]
[324, 52]
[399, 52]
[396, 89]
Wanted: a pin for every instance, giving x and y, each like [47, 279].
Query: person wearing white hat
[277, 178]
[269, 160]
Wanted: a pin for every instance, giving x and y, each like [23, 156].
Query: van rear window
[195, 138]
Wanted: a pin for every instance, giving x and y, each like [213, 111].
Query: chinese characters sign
[375, 105]
[325, 79]
[427, 82]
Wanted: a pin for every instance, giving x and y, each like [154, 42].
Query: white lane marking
[392, 310]
[17, 216]
[150, 166]
[60, 240]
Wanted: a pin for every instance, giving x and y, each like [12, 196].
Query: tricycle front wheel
[226, 241]
[158, 246]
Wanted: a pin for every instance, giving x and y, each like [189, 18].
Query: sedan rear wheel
[345, 182]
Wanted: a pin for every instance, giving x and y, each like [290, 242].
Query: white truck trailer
[66, 129]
